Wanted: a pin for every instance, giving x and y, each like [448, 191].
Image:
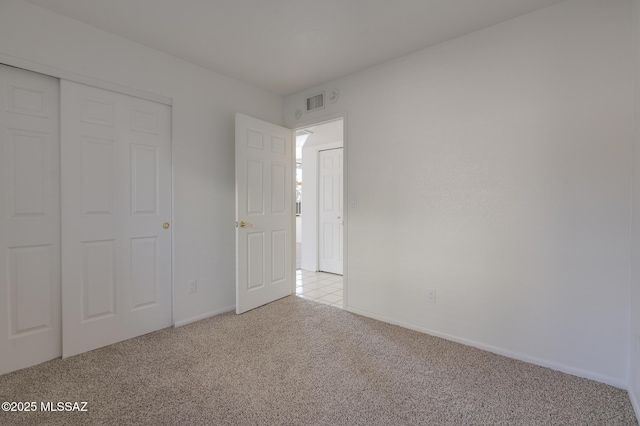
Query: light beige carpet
[295, 362]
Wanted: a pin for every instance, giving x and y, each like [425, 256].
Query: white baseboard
[203, 316]
[515, 355]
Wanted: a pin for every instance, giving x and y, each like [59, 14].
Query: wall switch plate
[637, 344]
[193, 286]
[431, 296]
[353, 202]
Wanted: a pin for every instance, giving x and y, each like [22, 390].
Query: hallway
[320, 287]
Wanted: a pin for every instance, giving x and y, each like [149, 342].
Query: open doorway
[319, 212]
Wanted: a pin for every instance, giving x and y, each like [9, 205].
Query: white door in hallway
[264, 213]
[30, 330]
[116, 210]
[330, 211]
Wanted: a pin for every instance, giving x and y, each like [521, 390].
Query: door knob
[244, 224]
[165, 225]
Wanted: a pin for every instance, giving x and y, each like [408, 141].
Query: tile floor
[320, 287]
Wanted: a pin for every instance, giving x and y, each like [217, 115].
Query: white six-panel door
[264, 211]
[29, 219]
[330, 214]
[116, 254]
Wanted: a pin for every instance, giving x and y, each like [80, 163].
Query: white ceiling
[285, 46]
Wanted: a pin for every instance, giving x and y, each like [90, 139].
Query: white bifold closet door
[29, 219]
[116, 209]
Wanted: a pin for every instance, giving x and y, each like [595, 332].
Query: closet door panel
[116, 157]
[30, 312]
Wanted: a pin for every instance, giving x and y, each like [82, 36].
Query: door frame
[345, 230]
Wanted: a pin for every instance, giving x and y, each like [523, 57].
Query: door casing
[342, 115]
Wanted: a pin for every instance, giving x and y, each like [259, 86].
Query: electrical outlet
[193, 286]
[431, 295]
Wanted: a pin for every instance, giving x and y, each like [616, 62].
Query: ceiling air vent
[315, 102]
